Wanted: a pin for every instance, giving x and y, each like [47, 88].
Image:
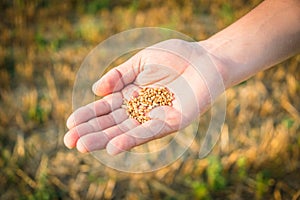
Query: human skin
[267, 35]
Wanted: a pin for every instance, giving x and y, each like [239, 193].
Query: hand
[105, 124]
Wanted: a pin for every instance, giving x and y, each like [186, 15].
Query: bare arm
[267, 35]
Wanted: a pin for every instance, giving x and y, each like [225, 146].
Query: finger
[92, 142]
[146, 132]
[94, 125]
[100, 123]
[117, 78]
[98, 140]
[97, 108]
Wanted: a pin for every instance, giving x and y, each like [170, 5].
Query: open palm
[105, 123]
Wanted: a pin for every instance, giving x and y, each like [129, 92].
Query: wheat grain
[147, 99]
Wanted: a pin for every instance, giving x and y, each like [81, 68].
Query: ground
[42, 45]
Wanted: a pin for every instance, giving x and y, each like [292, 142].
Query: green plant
[215, 178]
[261, 184]
[94, 6]
[40, 111]
[44, 191]
[242, 170]
[288, 122]
[200, 190]
[226, 13]
[40, 40]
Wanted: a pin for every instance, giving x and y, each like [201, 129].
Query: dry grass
[42, 46]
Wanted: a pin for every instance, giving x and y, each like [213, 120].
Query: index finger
[117, 78]
[95, 109]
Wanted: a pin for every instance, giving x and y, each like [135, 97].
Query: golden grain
[147, 99]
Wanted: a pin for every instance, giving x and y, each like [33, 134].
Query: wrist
[208, 75]
[234, 57]
[220, 60]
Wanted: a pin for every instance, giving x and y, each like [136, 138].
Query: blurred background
[42, 45]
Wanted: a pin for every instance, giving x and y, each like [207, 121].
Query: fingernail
[112, 149]
[70, 122]
[81, 147]
[94, 87]
[67, 142]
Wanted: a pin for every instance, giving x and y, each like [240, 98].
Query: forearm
[267, 35]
